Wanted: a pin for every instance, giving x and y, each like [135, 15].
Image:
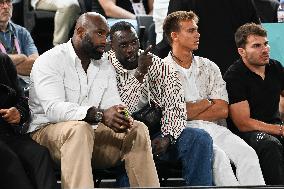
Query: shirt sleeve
[235, 87]
[49, 90]
[218, 88]
[27, 43]
[172, 98]
[21, 101]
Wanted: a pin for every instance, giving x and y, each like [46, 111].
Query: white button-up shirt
[62, 91]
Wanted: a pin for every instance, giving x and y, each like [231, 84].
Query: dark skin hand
[145, 60]
[116, 120]
[11, 115]
[160, 145]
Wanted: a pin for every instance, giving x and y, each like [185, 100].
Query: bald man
[77, 111]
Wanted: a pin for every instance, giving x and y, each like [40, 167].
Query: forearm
[247, 125]
[111, 10]
[281, 107]
[218, 111]
[195, 108]
[17, 58]
[26, 67]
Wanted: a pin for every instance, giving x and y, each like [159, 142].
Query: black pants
[24, 164]
[269, 149]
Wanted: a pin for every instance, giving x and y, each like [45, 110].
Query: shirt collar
[247, 70]
[115, 62]
[72, 51]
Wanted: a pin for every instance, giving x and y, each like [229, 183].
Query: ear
[241, 52]
[174, 36]
[80, 32]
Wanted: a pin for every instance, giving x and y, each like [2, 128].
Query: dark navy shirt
[263, 95]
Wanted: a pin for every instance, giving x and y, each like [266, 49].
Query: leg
[70, 143]
[36, 160]
[65, 17]
[12, 174]
[270, 153]
[222, 170]
[245, 159]
[133, 147]
[195, 151]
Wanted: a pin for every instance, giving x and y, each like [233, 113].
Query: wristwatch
[99, 116]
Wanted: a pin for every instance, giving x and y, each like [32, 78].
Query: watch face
[99, 116]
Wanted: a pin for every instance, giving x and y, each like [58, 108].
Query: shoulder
[19, 29]
[56, 57]
[235, 70]
[206, 64]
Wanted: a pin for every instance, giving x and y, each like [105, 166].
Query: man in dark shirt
[254, 85]
[23, 163]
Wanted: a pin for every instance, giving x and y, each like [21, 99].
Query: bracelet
[139, 73]
[210, 101]
[280, 129]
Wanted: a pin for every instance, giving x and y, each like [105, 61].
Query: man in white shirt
[73, 92]
[207, 102]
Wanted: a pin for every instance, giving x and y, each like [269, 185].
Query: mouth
[101, 49]
[131, 58]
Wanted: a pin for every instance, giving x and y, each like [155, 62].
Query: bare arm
[23, 63]
[195, 108]
[150, 5]
[281, 105]
[240, 114]
[114, 11]
[218, 110]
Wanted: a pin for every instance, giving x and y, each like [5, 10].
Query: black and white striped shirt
[165, 89]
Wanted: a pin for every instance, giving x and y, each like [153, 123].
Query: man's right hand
[144, 61]
[116, 120]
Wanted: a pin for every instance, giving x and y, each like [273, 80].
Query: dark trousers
[269, 149]
[24, 164]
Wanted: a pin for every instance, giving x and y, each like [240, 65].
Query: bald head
[89, 19]
[89, 38]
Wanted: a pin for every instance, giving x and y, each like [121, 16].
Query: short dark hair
[244, 31]
[172, 22]
[120, 26]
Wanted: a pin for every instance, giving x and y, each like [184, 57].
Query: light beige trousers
[74, 144]
[67, 11]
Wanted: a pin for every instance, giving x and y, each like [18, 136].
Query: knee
[140, 130]
[198, 136]
[72, 8]
[80, 130]
[272, 145]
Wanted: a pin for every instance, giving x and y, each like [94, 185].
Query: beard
[90, 49]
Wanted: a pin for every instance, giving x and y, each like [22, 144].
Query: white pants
[228, 148]
[67, 11]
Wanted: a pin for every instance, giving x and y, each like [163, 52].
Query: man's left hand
[11, 115]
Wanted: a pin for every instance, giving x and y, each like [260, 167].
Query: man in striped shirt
[141, 75]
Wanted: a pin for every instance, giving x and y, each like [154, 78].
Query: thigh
[233, 145]
[54, 136]
[27, 150]
[107, 147]
[53, 5]
[12, 172]
[260, 141]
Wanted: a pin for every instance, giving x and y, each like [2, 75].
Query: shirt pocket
[72, 91]
[97, 92]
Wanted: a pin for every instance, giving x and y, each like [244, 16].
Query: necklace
[179, 60]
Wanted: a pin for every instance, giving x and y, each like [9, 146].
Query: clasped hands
[117, 119]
